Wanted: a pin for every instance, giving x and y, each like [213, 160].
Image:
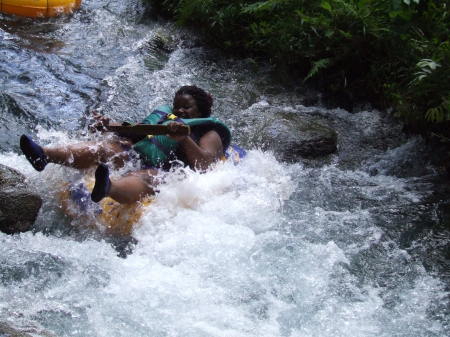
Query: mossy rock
[292, 136]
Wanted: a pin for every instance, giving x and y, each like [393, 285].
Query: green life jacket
[158, 150]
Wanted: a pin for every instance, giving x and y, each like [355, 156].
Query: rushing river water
[349, 245]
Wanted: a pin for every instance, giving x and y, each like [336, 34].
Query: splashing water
[258, 249]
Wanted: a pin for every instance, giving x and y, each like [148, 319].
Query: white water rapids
[263, 248]
[218, 255]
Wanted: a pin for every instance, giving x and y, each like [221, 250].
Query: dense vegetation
[395, 53]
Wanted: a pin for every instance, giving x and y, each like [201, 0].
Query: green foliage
[440, 113]
[316, 67]
[395, 52]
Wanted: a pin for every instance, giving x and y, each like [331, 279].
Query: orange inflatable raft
[39, 8]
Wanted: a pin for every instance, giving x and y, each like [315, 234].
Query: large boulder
[19, 206]
[292, 136]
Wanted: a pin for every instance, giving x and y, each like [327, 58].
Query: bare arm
[200, 156]
[100, 122]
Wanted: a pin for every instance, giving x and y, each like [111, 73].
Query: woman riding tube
[205, 145]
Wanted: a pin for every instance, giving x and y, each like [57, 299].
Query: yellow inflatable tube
[107, 216]
[39, 8]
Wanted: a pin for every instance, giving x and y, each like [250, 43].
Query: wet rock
[163, 41]
[17, 117]
[7, 330]
[156, 50]
[292, 136]
[310, 98]
[18, 205]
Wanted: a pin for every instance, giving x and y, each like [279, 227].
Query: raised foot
[33, 152]
[102, 183]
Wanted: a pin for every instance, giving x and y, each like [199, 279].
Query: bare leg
[134, 186]
[87, 154]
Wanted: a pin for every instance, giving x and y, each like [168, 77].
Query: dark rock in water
[18, 205]
[17, 118]
[292, 136]
[157, 49]
[7, 330]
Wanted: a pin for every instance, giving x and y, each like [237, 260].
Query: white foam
[214, 258]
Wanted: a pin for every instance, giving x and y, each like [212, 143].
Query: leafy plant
[391, 52]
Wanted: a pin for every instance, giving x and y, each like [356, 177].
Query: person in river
[205, 145]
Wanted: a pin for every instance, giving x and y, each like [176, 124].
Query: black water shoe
[33, 152]
[102, 183]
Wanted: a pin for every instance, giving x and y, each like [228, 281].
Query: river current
[348, 245]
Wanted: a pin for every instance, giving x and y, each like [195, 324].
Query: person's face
[185, 107]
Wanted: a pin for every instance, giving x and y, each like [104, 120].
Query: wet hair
[203, 99]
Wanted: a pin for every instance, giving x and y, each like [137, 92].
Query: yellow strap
[171, 116]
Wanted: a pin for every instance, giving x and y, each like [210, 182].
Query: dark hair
[202, 98]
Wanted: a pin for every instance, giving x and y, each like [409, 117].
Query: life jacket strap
[165, 116]
[159, 145]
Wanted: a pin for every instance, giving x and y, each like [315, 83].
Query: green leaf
[326, 5]
[394, 14]
[329, 33]
[439, 113]
[347, 35]
[317, 66]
